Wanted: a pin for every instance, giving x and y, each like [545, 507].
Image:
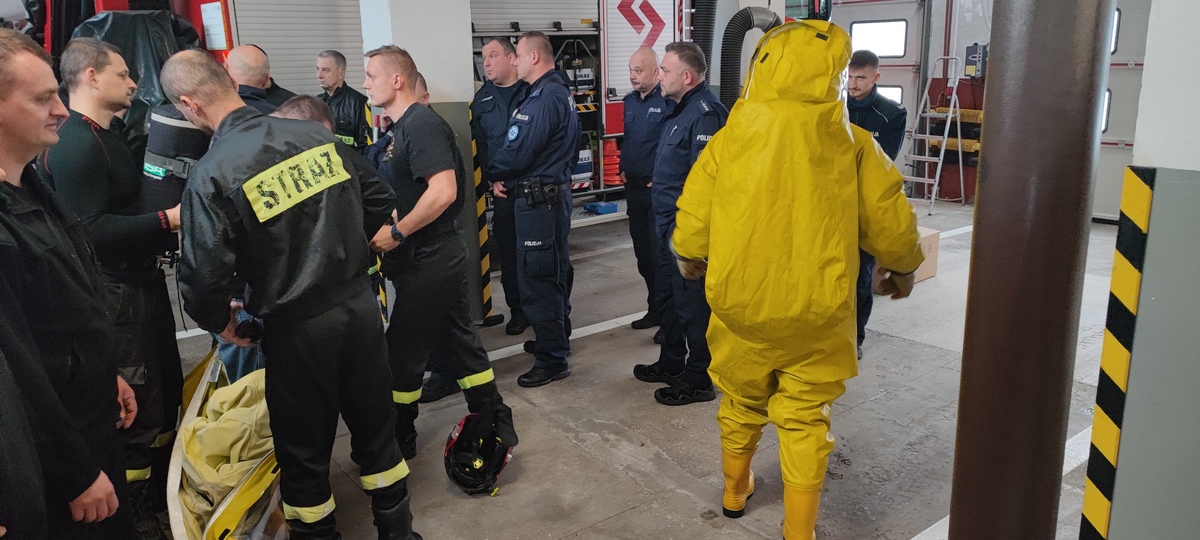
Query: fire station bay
[601, 269]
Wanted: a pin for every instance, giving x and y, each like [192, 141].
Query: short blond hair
[399, 60]
[13, 44]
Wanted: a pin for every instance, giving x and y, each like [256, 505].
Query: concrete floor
[600, 459]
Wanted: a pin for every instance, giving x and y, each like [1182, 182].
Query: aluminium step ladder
[922, 155]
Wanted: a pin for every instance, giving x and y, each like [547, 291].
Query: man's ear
[398, 81]
[90, 77]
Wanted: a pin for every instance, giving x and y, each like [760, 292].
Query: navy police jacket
[685, 133]
[884, 118]
[490, 116]
[643, 129]
[542, 140]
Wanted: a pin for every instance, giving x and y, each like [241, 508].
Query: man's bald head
[643, 70]
[248, 65]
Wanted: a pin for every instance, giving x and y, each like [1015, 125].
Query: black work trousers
[317, 367]
[685, 317]
[504, 229]
[546, 275]
[148, 359]
[432, 312]
[645, 238]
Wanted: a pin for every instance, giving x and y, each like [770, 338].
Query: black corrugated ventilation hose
[704, 25]
[731, 47]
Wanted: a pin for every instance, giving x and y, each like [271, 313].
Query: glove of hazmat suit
[778, 204]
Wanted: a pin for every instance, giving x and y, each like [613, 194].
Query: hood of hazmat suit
[782, 198]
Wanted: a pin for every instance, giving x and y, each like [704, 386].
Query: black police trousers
[685, 317]
[645, 238]
[546, 275]
[148, 359]
[504, 228]
[321, 363]
[431, 313]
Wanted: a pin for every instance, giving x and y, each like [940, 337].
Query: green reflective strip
[406, 398]
[137, 475]
[310, 514]
[385, 478]
[157, 172]
[347, 140]
[163, 439]
[478, 379]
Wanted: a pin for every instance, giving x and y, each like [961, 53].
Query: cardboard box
[929, 245]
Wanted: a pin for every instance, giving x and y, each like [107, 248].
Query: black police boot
[325, 529]
[540, 376]
[517, 325]
[406, 429]
[393, 518]
[656, 373]
[650, 320]
[437, 387]
[145, 523]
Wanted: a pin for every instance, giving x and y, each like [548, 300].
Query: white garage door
[294, 32]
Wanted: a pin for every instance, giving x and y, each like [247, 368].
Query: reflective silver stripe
[172, 122]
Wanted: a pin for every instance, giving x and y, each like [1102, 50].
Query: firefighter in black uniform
[97, 179]
[279, 206]
[540, 149]
[426, 257]
[351, 112]
[885, 119]
[491, 111]
[56, 290]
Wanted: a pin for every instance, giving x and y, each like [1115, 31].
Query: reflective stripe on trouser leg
[386, 478]
[746, 386]
[406, 398]
[163, 439]
[801, 413]
[477, 379]
[309, 514]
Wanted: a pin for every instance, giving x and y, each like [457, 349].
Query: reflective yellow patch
[478, 379]
[289, 183]
[386, 478]
[137, 475]
[405, 398]
[348, 140]
[309, 514]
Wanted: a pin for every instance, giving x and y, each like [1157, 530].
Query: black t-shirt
[423, 145]
[506, 93]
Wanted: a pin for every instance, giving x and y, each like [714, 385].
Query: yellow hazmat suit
[778, 204]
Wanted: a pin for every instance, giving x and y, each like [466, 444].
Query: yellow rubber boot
[739, 483]
[800, 512]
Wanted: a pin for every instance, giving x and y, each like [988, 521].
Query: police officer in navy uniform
[885, 119]
[539, 152]
[645, 110]
[684, 357]
[491, 111]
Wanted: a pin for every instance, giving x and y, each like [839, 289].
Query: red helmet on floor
[475, 455]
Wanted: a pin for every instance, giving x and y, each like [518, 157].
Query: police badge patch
[513, 132]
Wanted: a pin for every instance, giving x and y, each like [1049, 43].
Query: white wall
[1166, 134]
[438, 36]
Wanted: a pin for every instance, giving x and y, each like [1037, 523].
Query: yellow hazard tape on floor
[1132, 230]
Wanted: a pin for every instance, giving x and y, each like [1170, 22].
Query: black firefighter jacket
[351, 116]
[278, 212]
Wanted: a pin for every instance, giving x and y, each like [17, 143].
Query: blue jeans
[239, 361]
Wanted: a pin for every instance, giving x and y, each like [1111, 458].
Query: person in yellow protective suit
[774, 211]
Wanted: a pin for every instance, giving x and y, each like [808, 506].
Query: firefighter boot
[800, 512]
[324, 529]
[406, 429]
[393, 518]
[739, 483]
[145, 522]
[487, 395]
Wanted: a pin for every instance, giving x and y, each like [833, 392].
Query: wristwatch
[397, 235]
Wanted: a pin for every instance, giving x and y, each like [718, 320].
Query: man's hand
[173, 217]
[99, 502]
[229, 334]
[692, 270]
[383, 242]
[128, 401]
[897, 285]
[3, 531]
[498, 190]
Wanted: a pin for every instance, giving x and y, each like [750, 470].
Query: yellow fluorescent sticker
[289, 183]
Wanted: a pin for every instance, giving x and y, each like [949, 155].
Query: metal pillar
[1046, 78]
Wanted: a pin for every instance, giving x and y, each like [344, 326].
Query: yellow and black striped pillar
[1132, 231]
[481, 224]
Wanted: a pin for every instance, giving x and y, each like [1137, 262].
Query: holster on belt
[537, 193]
